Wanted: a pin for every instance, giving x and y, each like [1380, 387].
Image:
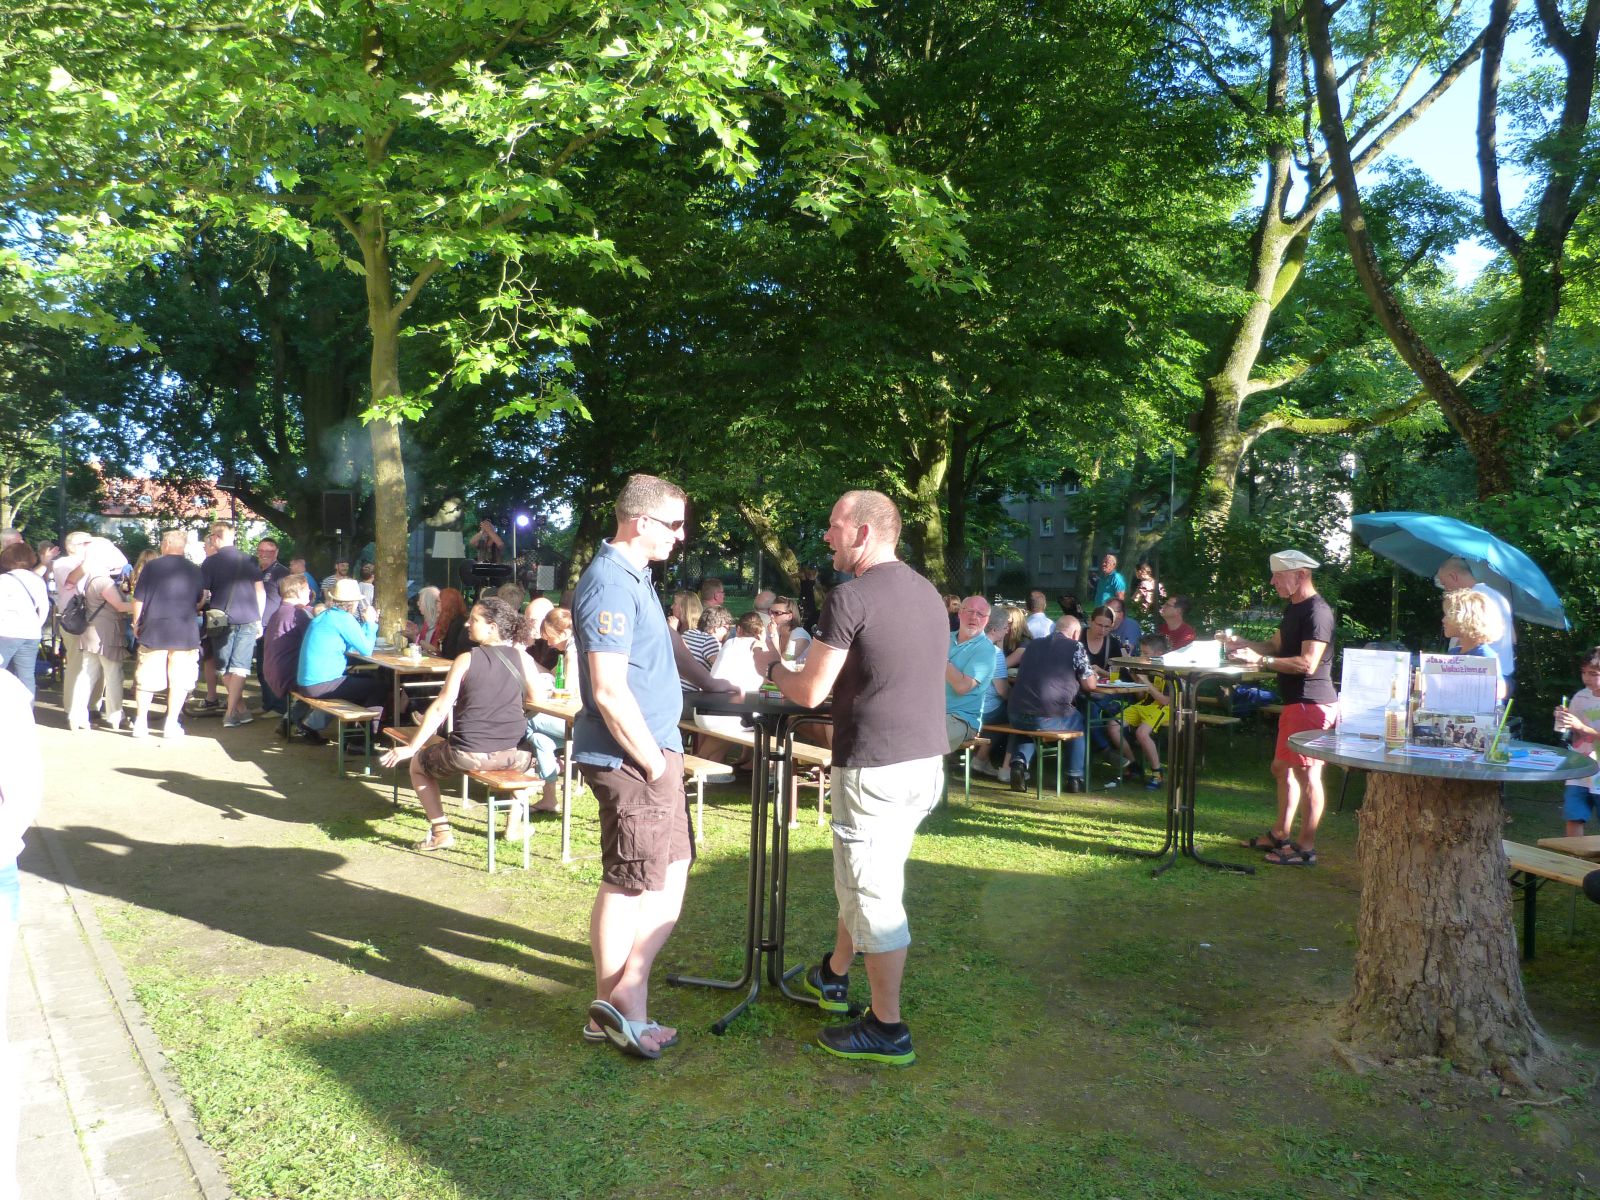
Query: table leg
[566, 795]
[749, 978]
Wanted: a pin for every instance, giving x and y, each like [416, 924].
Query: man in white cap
[1301, 653]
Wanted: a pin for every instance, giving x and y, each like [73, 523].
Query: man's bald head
[1069, 626]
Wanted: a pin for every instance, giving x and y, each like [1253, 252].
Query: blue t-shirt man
[615, 611]
[1112, 583]
[974, 658]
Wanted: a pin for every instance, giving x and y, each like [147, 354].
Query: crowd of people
[880, 644]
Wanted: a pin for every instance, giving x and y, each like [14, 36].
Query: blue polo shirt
[615, 611]
[974, 658]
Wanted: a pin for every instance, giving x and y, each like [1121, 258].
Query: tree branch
[1319, 197]
[1494, 48]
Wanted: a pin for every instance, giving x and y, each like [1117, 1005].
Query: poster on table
[1460, 702]
[1366, 684]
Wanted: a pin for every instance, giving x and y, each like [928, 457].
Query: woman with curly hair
[484, 694]
[452, 624]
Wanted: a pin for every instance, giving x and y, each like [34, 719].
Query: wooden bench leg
[699, 809]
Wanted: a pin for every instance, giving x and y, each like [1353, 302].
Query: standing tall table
[773, 720]
[1183, 740]
[1436, 958]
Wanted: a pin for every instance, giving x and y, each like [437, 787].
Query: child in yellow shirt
[1149, 716]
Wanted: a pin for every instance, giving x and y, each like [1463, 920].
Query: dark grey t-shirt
[231, 576]
[1309, 620]
[888, 702]
[168, 592]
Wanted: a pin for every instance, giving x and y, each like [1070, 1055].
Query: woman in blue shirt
[347, 625]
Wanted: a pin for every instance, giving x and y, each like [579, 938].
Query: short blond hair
[1475, 618]
[874, 509]
[642, 493]
[294, 585]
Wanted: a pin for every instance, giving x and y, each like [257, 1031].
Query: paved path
[101, 1119]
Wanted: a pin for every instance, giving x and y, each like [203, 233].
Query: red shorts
[1302, 718]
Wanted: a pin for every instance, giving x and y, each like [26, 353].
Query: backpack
[75, 617]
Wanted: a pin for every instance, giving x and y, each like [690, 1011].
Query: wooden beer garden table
[401, 667]
[1436, 972]
[565, 706]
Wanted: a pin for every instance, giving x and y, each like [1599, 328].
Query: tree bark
[780, 553]
[1436, 969]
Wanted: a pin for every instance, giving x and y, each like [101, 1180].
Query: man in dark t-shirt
[880, 647]
[1052, 672]
[166, 604]
[1301, 652]
[233, 581]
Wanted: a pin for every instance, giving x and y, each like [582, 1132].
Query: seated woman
[785, 634]
[484, 693]
[545, 734]
[348, 624]
[425, 632]
[735, 665]
[1103, 645]
[453, 638]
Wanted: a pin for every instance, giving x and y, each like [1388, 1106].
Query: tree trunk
[771, 543]
[921, 513]
[1436, 969]
[389, 491]
[956, 569]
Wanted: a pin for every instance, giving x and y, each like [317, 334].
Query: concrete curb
[201, 1160]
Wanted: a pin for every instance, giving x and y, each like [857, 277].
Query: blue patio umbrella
[1420, 542]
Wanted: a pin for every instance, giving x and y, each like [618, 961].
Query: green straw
[1495, 745]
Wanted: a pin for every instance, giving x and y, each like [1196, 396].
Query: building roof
[171, 500]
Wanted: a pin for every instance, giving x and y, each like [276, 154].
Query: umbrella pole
[1394, 603]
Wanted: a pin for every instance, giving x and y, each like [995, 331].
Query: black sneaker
[865, 1041]
[831, 997]
[1019, 775]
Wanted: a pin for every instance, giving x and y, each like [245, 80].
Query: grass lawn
[353, 1020]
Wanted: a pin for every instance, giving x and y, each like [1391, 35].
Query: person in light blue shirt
[348, 625]
[1113, 584]
[967, 673]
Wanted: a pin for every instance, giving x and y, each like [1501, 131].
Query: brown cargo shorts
[644, 826]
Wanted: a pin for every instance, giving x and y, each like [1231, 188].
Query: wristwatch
[1266, 661]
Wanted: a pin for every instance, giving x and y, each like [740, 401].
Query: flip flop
[653, 1029]
[622, 1032]
[594, 1037]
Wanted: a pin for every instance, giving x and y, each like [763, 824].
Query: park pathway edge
[95, 1078]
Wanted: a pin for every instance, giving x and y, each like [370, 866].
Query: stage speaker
[338, 512]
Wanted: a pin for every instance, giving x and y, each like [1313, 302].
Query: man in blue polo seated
[1052, 672]
[967, 672]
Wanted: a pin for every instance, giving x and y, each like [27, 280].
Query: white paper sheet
[1365, 685]
[1457, 683]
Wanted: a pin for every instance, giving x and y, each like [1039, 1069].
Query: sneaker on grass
[866, 1040]
[832, 991]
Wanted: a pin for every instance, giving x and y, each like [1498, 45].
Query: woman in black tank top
[484, 693]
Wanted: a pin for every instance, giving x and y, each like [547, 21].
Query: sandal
[1291, 855]
[439, 837]
[1267, 841]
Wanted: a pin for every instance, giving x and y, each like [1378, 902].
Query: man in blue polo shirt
[967, 673]
[626, 742]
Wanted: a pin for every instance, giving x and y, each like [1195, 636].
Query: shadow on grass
[294, 898]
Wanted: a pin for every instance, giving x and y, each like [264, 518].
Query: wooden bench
[805, 754]
[701, 771]
[345, 715]
[1053, 739]
[1531, 867]
[506, 788]
[965, 750]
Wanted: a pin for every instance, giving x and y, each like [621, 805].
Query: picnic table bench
[818, 757]
[346, 717]
[1051, 739]
[1531, 867]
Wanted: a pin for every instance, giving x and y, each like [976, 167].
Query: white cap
[1293, 560]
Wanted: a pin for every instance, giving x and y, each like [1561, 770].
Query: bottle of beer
[1394, 719]
[561, 673]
